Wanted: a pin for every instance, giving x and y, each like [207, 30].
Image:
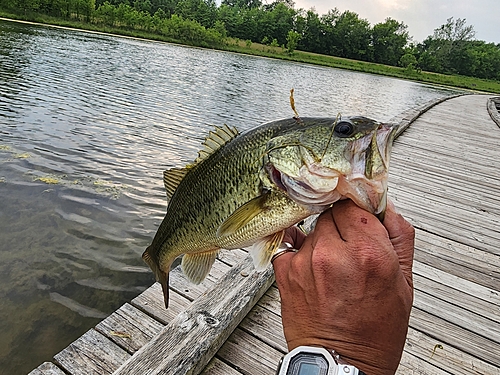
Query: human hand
[349, 287]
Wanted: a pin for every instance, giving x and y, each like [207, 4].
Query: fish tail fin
[163, 279]
[161, 276]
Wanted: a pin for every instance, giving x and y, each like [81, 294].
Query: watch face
[308, 364]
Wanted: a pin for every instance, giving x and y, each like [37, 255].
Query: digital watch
[310, 360]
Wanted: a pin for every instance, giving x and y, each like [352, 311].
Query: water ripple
[88, 123]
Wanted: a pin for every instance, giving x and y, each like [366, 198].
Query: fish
[246, 188]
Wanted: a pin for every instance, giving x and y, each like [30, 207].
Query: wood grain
[188, 343]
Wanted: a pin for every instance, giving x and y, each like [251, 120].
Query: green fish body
[247, 188]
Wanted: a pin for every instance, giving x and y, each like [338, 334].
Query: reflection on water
[87, 125]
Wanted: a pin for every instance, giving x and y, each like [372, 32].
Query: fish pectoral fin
[263, 250]
[242, 216]
[172, 178]
[197, 266]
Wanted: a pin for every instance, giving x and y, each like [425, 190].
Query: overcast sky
[421, 16]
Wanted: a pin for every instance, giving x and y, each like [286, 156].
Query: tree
[328, 23]
[243, 4]
[455, 31]
[389, 39]
[202, 11]
[292, 40]
[275, 22]
[313, 33]
[448, 43]
[353, 36]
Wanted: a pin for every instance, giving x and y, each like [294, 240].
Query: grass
[257, 49]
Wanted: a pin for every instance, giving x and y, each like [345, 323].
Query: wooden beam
[92, 353]
[188, 343]
[47, 368]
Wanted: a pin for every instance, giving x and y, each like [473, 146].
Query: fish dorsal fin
[197, 266]
[242, 216]
[262, 251]
[215, 140]
[172, 178]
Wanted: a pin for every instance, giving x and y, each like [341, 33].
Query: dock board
[444, 178]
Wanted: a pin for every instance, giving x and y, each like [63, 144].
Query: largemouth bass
[247, 188]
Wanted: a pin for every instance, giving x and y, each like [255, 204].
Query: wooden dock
[444, 178]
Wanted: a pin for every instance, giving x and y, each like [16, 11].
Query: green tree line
[452, 49]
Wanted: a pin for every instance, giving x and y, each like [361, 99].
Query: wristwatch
[311, 360]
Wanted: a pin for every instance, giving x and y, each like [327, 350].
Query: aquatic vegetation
[23, 155]
[48, 180]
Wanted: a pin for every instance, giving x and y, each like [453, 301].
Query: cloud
[421, 16]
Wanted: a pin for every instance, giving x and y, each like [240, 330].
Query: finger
[402, 236]
[295, 237]
[325, 226]
[353, 222]
[281, 266]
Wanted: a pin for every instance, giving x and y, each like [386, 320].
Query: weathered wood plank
[478, 197]
[271, 300]
[404, 167]
[493, 105]
[129, 327]
[458, 316]
[457, 297]
[430, 204]
[410, 364]
[91, 354]
[232, 257]
[151, 302]
[180, 284]
[488, 279]
[188, 343]
[474, 258]
[423, 214]
[266, 326]
[460, 338]
[419, 344]
[47, 368]
[217, 367]
[182, 292]
[250, 355]
[425, 348]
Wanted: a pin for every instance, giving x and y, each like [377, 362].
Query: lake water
[88, 122]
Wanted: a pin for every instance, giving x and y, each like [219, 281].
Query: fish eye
[344, 129]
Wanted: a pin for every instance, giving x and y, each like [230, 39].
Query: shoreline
[470, 84]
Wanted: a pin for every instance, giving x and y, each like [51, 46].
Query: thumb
[402, 236]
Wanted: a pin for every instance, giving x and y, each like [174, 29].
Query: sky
[421, 16]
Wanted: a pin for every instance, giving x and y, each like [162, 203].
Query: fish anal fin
[215, 140]
[263, 250]
[197, 266]
[242, 216]
[172, 178]
[161, 276]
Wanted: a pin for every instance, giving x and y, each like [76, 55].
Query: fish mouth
[317, 186]
[366, 185]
